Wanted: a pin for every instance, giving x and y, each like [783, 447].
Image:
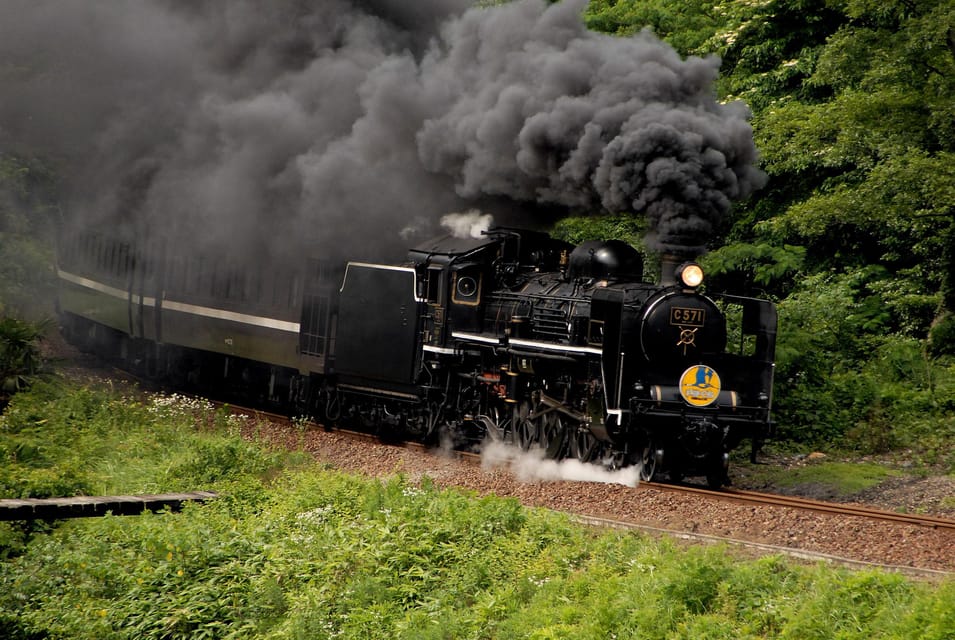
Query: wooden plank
[95, 506]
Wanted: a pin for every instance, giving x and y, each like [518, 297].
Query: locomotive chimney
[668, 266]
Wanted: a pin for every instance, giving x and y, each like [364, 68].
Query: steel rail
[806, 504]
[726, 493]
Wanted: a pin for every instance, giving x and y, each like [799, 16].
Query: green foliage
[577, 229]
[875, 156]
[839, 480]
[746, 268]
[20, 359]
[769, 49]
[684, 25]
[854, 122]
[313, 553]
[847, 375]
[942, 336]
[881, 218]
[59, 441]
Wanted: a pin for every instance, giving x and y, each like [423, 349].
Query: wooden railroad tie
[95, 506]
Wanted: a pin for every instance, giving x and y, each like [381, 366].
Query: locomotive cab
[458, 274]
[452, 274]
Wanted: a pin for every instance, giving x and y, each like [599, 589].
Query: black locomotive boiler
[512, 336]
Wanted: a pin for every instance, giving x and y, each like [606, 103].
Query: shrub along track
[809, 529]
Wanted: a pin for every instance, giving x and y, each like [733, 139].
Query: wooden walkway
[93, 506]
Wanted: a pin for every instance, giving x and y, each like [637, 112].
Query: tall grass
[297, 550]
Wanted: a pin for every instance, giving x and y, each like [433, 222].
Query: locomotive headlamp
[690, 274]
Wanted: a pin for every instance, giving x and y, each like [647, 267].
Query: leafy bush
[942, 336]
[20, 359]
[323, 555]
[841, 382]
[752, 269]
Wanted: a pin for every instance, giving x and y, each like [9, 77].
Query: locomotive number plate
[684, 317]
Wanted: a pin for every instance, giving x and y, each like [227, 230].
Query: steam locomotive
[511, 336]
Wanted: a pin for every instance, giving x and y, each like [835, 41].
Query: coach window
[188, 274]
[89, 252]
[173, 274]
[278, 287]
[122, 262]
[192, 274]
[293, 290]
[254, 286]
[84, 251]
[146, 261]
[217, 280]
[237, 284]
[199, 275]
[100, 251]
[433, 285]
[103, 250]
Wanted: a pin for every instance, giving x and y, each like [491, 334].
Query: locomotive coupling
[701, 437]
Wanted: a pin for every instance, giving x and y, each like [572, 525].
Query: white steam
[470, 224]
[530, 466]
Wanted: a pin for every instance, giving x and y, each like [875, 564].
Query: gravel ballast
[850, 537]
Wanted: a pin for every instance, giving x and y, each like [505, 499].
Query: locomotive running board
[524, 344]
[377, 391]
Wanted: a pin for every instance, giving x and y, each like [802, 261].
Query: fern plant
[20, 358]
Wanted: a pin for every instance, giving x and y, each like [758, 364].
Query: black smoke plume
[350, 125]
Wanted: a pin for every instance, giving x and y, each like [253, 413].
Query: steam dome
[605, 259]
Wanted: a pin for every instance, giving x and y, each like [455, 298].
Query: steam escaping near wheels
[533, 466]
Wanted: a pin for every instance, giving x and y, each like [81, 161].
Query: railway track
[805, 504]
[735, 495]
[801, 534]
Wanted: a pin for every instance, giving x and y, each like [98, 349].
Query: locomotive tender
[511, 336]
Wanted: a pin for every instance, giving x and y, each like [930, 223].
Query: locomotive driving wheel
[494, 423]
[650, 460]
[525, 428]
[583, 444]
[551, 426]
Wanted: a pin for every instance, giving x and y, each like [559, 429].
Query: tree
[686, 25]
[873, 163]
